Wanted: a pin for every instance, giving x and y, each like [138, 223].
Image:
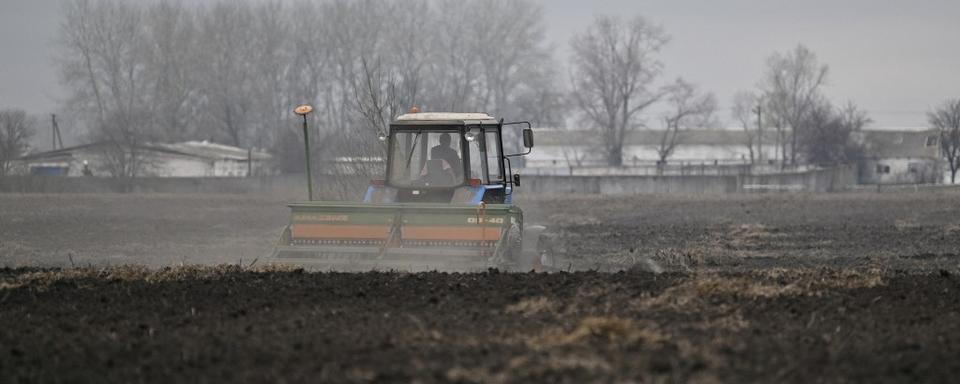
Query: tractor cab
[455, 158]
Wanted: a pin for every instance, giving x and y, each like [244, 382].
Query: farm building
[187, 159]
[890, 156]
[581, 148]
[900, 157]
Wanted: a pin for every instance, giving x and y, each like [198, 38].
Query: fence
[698, 169]
[818, 180]
[351, 187]
[284, 186]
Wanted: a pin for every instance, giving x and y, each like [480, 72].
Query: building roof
[901, 144]
[200, 149]
[68, 152]
[447, 117]
[208, 150]
[562, 137]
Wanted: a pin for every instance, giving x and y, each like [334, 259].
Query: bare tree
[743, 111]
[814, 141]
[103, 65]
[791, 88]
[15, 132]
[541, 99]
[227, 75]
[614, 68]
[827, 136]
[577, 153]
[687, 109]
[453, 69]
[171, 62]
[270, 54]
[390, 73]
[232, 70]
[946, 119]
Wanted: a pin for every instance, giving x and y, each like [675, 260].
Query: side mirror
[516, 179]
[528, 138]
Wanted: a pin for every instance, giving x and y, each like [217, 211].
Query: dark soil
[190, 325]
[916, 231]
[779, 288]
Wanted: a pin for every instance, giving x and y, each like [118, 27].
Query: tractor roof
[445, 118]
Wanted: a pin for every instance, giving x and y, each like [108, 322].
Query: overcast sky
[896, 59]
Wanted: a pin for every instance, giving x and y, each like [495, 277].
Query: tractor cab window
[478, 169]
[426, 159]
[484, 150]
[493, 156]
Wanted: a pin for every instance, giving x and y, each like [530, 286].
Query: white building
[901, 157]
[188, 159]
[557, 148]
[904, 156]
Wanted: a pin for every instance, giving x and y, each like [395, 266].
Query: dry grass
[532, 306]
[951, 229]
[42, 280]
[607, 330]
[534, 368]
[752, 235]
[682, 259]
[612, 330]
[750, 231]
[765, 284]
[905, 224]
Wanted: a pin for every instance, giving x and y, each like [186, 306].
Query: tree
[390, 74]
[791, 87]
[227, 77]
[541, 99]
[827, 139]
[687, 109]
[614, 69]
[15, 131]
[946, 119]
[744, 107]
[171, 70]
[232, 71]
[103, 66]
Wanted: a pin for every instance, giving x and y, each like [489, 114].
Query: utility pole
[760, 131]
[55, 134]
[249, 162]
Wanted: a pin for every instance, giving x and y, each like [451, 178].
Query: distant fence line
[690, 169]
[906, 187]
[284, 186]
[816, 180]
[351, 187]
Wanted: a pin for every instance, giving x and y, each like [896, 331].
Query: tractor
[445, 203]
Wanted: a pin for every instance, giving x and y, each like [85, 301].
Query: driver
[444, 152]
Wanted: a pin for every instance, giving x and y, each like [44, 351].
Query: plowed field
[779, 288]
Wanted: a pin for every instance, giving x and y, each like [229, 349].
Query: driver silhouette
[444, 152]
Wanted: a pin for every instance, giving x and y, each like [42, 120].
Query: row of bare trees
[617, 76]
[789, 109]
[231, 71]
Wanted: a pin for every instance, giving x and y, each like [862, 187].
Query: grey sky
[895, 59]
